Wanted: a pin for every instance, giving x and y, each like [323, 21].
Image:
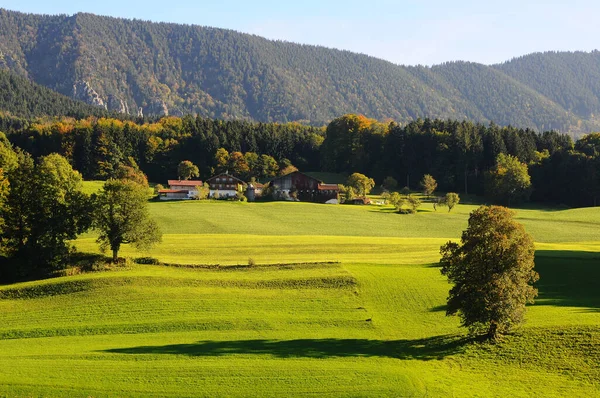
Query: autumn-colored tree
[221, 160]
[491, 271]
[238, 165]
[428, 185]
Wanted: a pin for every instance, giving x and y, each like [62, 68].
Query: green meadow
[339, 301]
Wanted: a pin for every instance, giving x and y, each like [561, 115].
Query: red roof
[173, 191]
[328, 187]
[185, 183]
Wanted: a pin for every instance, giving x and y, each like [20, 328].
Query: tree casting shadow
[568, 278]
[421, 349]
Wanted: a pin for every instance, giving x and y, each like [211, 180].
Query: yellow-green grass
[353, 329]
[265, 249]
[371, 324]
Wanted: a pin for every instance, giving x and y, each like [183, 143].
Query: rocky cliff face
[82, 91]
[157, 107]
[117, 104]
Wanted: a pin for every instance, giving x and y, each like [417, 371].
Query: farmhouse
[225, 184]
[305, 188]
[180, 189]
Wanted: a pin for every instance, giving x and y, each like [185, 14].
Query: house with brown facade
[305, 188]
[225, 184]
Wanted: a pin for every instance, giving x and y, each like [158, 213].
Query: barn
[305, 188]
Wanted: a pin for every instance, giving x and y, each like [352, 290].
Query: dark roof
[225, 175]
[295, 172]
[186, 183]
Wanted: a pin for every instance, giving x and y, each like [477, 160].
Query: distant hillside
[572, 80]
[20, 97]
[144, 68]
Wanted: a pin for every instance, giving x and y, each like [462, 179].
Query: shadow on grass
[383, 209]
[421, 349]
[568, 278]
[439, 308]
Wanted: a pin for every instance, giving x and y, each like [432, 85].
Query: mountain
[23, 98]
[144, 68]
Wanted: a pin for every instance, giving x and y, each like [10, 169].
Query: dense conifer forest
[142, 68]
[458, 154]
[20, 97]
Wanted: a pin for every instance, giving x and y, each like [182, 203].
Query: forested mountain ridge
[22, 98]
[144, 68]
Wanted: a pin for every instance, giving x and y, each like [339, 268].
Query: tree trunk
[466, 178]
[492, 331]
[115, 257]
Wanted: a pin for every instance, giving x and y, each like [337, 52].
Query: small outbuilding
[254, 191]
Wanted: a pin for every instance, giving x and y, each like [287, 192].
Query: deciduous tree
[361, 183]
[428, 185]
[45, 208]
[508, 182]
[221, 160]
[451, 199]
[491, 271]
[121, 216]
[187, 170]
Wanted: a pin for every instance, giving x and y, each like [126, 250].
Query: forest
[458, 154]
[141, 68]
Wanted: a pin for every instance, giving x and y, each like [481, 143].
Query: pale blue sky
[404, 32]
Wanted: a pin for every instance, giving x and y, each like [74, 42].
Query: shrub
[146, 261]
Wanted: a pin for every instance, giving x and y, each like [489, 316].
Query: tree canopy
[121, 216]
[187, 170]
[44, 209]
[361, 184]
[428, 185]
[509, 182]
[491, 271]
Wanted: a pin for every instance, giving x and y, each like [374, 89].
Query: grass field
[343, 301]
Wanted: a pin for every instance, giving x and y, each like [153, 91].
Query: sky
[408, 32]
